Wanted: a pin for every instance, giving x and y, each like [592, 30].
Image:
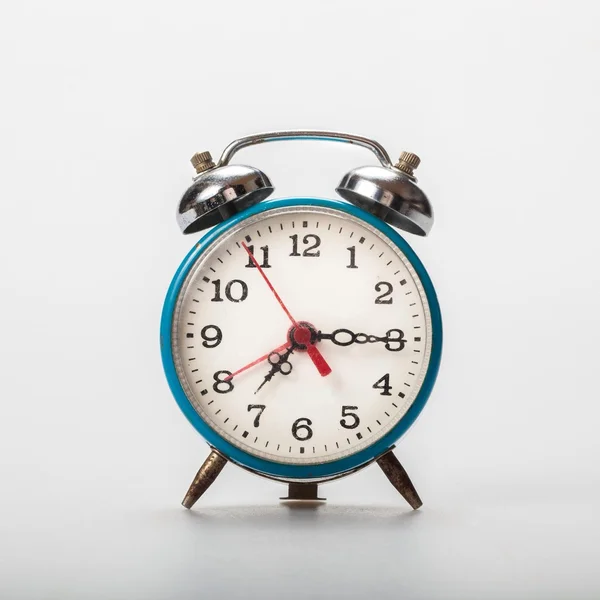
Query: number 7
[261, 408]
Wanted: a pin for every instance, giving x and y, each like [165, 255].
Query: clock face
[302, 335]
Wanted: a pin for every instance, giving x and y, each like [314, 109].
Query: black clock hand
[279, 363]
[394, 339]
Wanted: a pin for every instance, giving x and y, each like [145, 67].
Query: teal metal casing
[272, 468]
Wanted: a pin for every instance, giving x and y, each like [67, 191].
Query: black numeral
[220, 385]
[311, 251]
[211, 341]
[260, 408]
[395, 340]
[302, 425]
[265, 258]
[384, 384]
[346, 412]
[384, 285]
[235, 291]
[352, 264]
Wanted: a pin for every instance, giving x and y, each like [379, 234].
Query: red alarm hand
[302, 332]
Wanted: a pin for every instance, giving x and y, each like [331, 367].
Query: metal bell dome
[219, 192]
[389, 194]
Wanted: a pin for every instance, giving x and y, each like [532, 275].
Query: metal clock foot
[399, 478]
[205, 477]
[303, 491]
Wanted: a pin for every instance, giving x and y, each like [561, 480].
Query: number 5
[346, 413]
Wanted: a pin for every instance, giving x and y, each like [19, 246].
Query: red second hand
[313, 352]
[287, 312]
[258, 360]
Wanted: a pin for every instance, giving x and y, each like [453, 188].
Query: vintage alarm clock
[301, 337]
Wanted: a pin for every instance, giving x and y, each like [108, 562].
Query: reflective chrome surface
[219, 193]
[387, 192]
[306, 134]
[390, 195]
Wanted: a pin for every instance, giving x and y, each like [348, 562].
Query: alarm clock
[301, 337]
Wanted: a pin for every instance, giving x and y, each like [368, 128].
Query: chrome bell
[390, 193]
[219, 192]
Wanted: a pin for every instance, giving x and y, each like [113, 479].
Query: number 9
[211, 341]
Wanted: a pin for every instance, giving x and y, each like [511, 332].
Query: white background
[103, 103]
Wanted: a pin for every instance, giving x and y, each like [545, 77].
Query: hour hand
[279, 364]
[393, 340]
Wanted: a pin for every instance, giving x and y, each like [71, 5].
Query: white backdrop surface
[101, 105]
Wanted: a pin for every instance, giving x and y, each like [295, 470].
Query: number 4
[384, 384]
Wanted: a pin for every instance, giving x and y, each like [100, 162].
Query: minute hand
[394, 339]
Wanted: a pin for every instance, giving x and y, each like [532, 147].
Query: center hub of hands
[302, 334]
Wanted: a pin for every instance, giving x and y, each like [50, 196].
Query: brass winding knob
[407, 163]
[202, 161]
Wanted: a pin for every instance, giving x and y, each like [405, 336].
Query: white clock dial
[332, 271]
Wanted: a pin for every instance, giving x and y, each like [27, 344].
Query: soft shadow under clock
[294, 513]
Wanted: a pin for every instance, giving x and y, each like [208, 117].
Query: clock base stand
[308, 492]
[304, 492]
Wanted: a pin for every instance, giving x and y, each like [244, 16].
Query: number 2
[383, 298]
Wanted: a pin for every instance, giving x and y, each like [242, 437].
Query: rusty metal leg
[398, 477]
[208, 472]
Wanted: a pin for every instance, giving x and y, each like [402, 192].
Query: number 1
[352, 264]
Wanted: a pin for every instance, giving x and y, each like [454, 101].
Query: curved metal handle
[325, 136]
